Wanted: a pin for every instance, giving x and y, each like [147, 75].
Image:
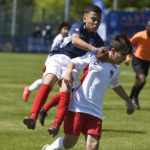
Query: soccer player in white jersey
[62, 33]
[85, 109]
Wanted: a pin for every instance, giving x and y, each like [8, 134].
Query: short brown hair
[94, 8]
[121, 42]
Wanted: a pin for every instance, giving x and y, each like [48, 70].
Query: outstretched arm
[128, 58]
[121, 92]
[102, 52]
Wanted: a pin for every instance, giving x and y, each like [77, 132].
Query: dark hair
[121, 42]
[62, 25]
[94, 8]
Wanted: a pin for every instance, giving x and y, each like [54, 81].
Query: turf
[120, 131]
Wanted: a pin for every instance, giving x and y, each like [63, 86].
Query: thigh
[92, 142]
[73, 123]
[92, 125]
[140, 66]
[50, 79]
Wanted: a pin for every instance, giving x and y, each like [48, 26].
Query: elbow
[74, 42]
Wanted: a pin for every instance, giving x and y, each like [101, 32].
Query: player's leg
[92, 131]
[92, 142]
[54, 69]
[62, 109]
[64, 102]
[40, 99]
[53, 102]
[141, 69]
[33, 86]
[72, 128]
[62, 143]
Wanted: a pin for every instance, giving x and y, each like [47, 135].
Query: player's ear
[113, 50]
[84, 18]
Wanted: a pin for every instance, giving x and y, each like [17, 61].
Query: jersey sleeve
[76, 28]
[135, 39]
[57, 40]
[82, 62]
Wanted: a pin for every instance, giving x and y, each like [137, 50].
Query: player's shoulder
[58, 36]
[78, 24]
[140, 33]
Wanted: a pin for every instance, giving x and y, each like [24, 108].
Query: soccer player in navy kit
[82, 38]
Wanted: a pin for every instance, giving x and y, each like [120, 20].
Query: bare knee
[93, 145]
[50, 80]
[92, 142]
[70, 141]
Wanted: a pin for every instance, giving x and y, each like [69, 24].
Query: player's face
[92, 21]
[118, 57]
[64, 31]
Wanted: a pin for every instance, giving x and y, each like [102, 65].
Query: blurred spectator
[130, 25]
[136, 23]
[124, 24]
[47, 33]
[37, 32]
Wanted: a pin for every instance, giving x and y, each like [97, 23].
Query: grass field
[120, 131]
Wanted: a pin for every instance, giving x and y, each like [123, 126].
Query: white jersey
[89, 96]
[57, 40]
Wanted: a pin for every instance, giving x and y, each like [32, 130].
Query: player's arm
[78, 42]
[68, 77]
[77, 63]
[57, 40]
[121, 92]
[128, 58]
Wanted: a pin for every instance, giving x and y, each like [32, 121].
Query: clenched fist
[102, 54]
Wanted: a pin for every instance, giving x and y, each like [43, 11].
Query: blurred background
[31, 25]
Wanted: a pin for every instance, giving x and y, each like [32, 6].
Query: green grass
[120, 131]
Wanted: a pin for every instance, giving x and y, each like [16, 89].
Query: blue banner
[126, 22]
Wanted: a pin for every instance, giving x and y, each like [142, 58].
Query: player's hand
[130, 108]
[102, 54]
[127, 62]
[68, 79]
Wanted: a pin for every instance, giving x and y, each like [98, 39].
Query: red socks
[62, 107]
[53, 102]
[40, 100]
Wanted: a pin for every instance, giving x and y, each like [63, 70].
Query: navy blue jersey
[67, 48]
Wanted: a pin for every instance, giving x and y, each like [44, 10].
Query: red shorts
[76, 122]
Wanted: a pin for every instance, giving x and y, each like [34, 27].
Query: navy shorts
[140, 66]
